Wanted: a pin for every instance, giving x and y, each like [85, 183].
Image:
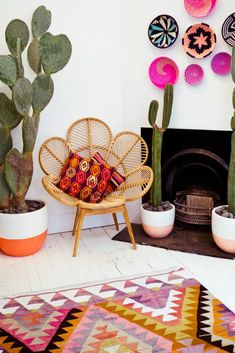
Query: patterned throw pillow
[116, 178]
[85, 179]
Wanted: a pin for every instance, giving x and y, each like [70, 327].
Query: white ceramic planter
[158, 224]
[223, 230]
[23, 234]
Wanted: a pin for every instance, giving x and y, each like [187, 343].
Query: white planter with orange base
[223, 231]
[158, 224]
[23, 234]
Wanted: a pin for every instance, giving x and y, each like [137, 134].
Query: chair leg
[79, 226]
[115, 221]
[75, 221]
[131, 235]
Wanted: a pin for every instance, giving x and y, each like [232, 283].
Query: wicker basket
[194, 206]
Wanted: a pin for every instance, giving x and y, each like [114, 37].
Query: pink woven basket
[193, 74]
[199, 8]
[221, 63]
[163, 70]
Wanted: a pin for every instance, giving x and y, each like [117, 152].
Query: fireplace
[194, 170]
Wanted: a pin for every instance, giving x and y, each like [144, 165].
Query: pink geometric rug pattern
[161, 313]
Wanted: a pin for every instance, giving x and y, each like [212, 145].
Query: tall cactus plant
[157, 137]
[231, 173]
[47, 54]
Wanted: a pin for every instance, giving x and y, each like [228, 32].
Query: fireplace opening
[194, 171]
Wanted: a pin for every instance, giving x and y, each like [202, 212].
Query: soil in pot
[166, 206]
[224, 212]
[32, 206]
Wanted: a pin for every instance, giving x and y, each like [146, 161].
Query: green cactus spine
[157, 138]
[47, 54]
[231, 172]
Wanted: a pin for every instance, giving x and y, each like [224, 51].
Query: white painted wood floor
[100, 258]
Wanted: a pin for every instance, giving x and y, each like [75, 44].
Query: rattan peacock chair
[126, 151]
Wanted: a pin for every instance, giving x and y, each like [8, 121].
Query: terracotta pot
[157, 224]
[23, 234]
[223, 230]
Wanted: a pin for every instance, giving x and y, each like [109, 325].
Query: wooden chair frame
[126, 151]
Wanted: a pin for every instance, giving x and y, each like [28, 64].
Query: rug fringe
[94, 283]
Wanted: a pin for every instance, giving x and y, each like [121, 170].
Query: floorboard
[100, 259]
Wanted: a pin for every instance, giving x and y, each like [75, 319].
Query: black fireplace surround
[193, 158]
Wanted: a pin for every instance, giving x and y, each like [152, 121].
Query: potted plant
[23, 223]
[158, 216]
[223, 217]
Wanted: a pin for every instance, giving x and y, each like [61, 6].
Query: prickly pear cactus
[55, 50]
[41, 21]
[47, 54]
[16, 29]
[5, 147]
[9, 117]
[18, 173]
[8, 70]
[157, 137]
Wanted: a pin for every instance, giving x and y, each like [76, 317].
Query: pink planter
[223, 230]
[157, 224]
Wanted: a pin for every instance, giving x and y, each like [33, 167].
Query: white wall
[206, 106]
[90, 85]
[107, 75]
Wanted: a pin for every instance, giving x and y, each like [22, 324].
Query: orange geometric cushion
[84, 178]
[116, 177]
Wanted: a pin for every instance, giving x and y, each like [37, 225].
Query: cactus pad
[8, 70]
[5, 143]
[29, 132]
[41, 21]
[18, 172]
[16, 29]
[43, 89]
[5, 192]
[153, 109]
[167, 108]
[233, 122]
[9, 117]
[34, 58]
[55, 51]
[23, 95]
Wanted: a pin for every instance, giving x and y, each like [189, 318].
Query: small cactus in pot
[47, 54]
[157, 138]
[158, 224]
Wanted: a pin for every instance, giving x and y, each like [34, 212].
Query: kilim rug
[166, 312]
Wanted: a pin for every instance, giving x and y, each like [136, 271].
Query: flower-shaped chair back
[126, 151]
[88, 136]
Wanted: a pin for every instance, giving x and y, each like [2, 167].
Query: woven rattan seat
[126, 151]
